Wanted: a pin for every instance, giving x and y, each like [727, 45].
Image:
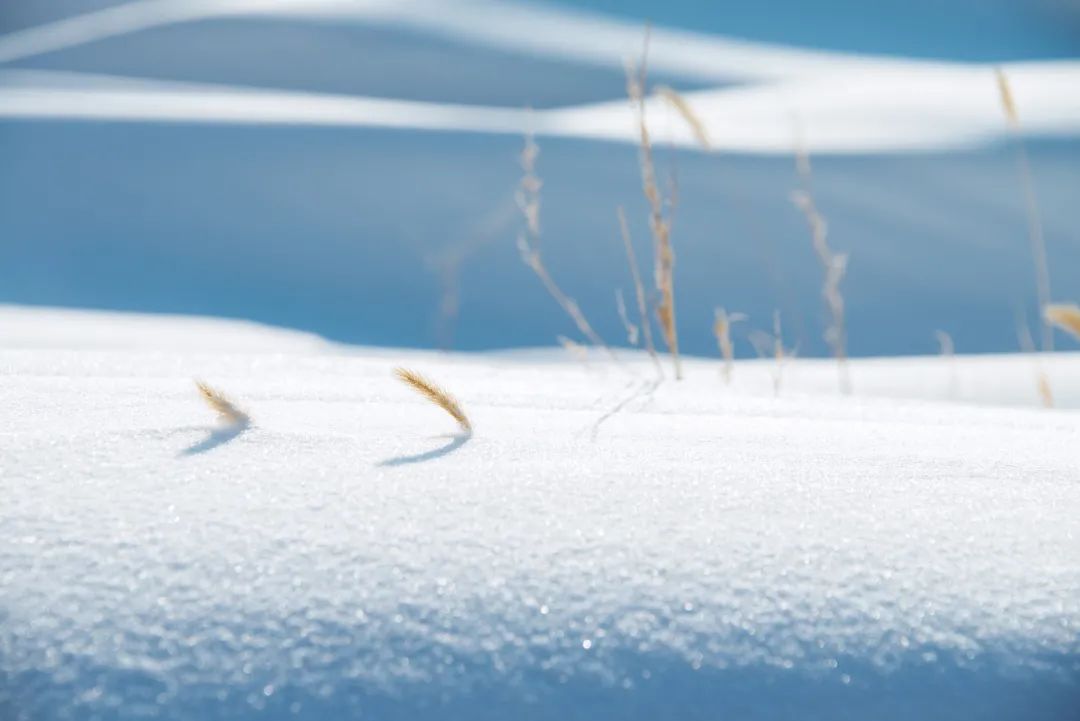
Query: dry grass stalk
[1008, 102]
[722, 331]
[948, 350]
[639, 290]
[945, 342]
[1065, 316]
[1031, 204]
[632, 330]
[833, 264]
[575, 349]
[447, 265]
[659, 223]
[1027, 344]
[677, 101]
[435, 394]
[528, 200]
[772, 346]
[225, 409]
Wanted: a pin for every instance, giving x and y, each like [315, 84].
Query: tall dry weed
[722, 330]
[528, 200]
[639, 291]
[1031, 203]
[659, 223]
[833, 264]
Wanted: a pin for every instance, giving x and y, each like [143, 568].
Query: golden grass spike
[688, 115]
[435, 394]
[1065, 316]
[221, 405]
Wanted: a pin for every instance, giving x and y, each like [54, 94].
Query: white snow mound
[705, 552]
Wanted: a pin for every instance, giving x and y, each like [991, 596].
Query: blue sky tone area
[971, 30]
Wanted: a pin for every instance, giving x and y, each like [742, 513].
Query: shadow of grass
[457, 440]
[217, 437]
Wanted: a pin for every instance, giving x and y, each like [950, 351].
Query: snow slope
[705, 552]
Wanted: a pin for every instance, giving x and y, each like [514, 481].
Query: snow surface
[704, 552]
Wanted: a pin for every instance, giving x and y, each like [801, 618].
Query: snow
[705, 552]
[845, 103]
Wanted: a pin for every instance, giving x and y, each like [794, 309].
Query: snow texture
[704, 552]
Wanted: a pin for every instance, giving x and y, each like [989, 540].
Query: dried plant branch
[528, 200]
[643, 390]
[722, 331]
[1065, 316]
[772, 345]
[1031, 204]
[579, 352]
[833, 264]
[632, 331]
[1027, 344]
[225, 409]
[435, 394]
[447, 264]
[686, 112]
[948, 350]
[639, 290]
[659, 224]
[945, 341]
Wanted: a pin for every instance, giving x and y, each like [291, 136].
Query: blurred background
[349, 167]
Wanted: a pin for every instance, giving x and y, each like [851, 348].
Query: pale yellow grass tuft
[435, 394]
[687, 113]
[1065, 316]
[221, 405]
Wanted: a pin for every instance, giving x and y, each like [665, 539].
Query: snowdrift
[599, 548]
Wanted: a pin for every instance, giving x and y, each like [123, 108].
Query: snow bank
[713, 553]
